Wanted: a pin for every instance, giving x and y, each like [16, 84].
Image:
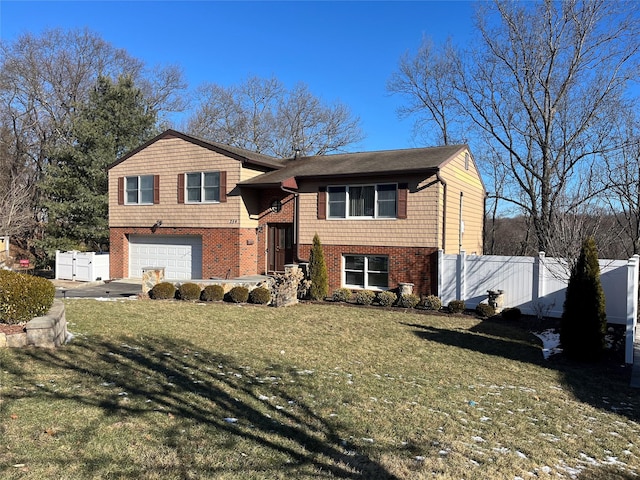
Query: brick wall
[225, 251]
[417, 265]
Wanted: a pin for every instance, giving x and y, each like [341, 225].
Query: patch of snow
[550, 342]
[478, 439]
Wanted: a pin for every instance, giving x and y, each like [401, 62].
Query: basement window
[370, 272]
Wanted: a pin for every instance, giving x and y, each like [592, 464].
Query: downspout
[296, 222]
[444, 210]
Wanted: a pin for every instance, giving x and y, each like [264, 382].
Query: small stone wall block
[50, 330]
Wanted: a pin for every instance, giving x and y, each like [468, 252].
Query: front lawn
[173, 390]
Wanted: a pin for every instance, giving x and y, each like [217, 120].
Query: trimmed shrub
[189, 291]
[319, 288]
[485, 310]
[238, 294]
[511, 313]
[163, 291]
[432, 302]
[364, 297]
[456, 306]
[212, 293]
[408, 300]
[23, 297]
[584, 319]
[260, 296]
[386, 299]
[342, 295]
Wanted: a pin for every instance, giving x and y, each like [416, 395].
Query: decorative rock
[151, 276]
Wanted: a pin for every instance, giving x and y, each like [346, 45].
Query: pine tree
[116, 119]
[584, 319]
[318, 271]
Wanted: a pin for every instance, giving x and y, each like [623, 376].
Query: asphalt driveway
[115, 289]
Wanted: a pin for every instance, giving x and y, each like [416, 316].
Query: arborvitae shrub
[23, 297]
[511, 314]
[485, 310]
[456, 306]
[408, 300]
[432, 302]
[584, 320]
[189, 291]
[260, 295]
[163, 291]
[386, 299]
[364, 297]
[318, 271]
[238, 294]
[342, 295]
[212, 293]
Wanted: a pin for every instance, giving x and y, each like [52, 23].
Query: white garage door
[181, 256]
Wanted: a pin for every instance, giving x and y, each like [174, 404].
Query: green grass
[147, 389]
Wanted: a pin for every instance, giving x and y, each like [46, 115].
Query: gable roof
[239, 154]
[386, 162]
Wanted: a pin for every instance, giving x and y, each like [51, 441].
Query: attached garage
[181, 256]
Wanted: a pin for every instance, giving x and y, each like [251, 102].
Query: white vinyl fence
[82, 266]
[537, 285]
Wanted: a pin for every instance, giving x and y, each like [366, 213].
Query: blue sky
[343, 51]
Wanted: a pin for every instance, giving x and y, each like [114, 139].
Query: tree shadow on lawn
[184, 382]
[604, 384]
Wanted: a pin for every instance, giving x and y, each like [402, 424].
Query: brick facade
[226, 252]
[417, 265]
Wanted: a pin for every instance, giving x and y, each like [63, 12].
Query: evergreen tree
[318, 271]
[584, 319]
[116, 119]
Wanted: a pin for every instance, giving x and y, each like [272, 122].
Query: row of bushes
[23, 297]
[430, 302]
[210, 293]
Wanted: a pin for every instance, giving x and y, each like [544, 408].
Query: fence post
[57, 260]
[461, 289]
[632, 307]
[440, 272]
[539, 277]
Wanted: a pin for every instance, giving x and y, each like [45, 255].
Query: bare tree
[543, 83]
[622, 183]
[426, 82]
[43, 80]
[261, 115]
[305, 124]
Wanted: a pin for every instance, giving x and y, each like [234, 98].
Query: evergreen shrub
[23, 297]
[485, 310]
[432, 302]
[364, 297]
[386, 299]
[260, 296]
[408, 300]
[511, 313]
[319, 288]
[584, 320]
[163, 291]
[212, 293]
[456, 306]
[238, 294]
[342, 295]
[189, 291]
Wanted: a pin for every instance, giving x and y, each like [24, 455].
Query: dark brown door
[280, 246]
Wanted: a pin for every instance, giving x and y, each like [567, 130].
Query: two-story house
[205, 210]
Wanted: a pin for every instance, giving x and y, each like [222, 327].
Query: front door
[280, 249]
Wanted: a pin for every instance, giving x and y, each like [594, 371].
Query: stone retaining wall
[48, 331]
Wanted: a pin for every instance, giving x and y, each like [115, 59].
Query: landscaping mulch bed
[11, 329]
